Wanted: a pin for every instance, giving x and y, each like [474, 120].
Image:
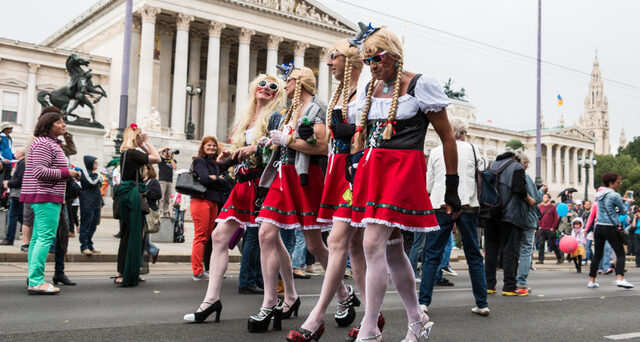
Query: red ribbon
[134, 126]
[392, 123]
[359, 129]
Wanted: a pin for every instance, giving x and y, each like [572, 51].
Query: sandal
[117, 280]
[39, 290]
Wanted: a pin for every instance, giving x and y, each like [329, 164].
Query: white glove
[278, 138]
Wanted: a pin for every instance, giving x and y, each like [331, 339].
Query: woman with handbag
[153, 195]
[43, 189]
[204, 208]
[266, 97]
[608, 228]
[128, 206]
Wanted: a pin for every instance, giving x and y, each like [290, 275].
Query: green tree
[632, 149]
[623, 164]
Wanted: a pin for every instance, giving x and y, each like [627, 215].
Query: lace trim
[371, 220]
[243, 224]
[298, 226]
[341, 219]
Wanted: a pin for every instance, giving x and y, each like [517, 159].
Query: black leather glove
[451, 193]
[350, 171]
[305, 131]
[260, 197]
[343, 131]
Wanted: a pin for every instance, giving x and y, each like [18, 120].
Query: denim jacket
[608, 201]
[533, 216]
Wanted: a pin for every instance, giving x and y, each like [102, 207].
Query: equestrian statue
[80, 90]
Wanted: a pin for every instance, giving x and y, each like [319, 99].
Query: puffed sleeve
[430, 96]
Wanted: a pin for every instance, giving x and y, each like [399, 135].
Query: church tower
[596, 111]
[623, 139]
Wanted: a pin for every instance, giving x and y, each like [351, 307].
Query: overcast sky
[499, 84]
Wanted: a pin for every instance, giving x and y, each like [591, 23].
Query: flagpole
[538, 121]
[124, 84]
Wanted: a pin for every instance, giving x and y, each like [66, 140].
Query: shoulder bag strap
[605, 209]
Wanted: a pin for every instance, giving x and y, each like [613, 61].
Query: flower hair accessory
[365, 32]
[134, 126]
[286, 70]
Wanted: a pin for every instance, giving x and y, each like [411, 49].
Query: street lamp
[191, 127]
[587, 163]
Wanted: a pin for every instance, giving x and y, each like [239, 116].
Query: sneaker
[87, 252]
[95, 251]
[6, 243]
[444, 282]
[299, 274]
[199, 277]
[624, 283]
[424, 308]
[525, 288]
[491, 291]
[206, 274]
[449, 271]
[600, 271]
[532, 268]
[593, 285]
[481, 311]
[584, 263]
[540, 262]
[24, 248]
[516, 292]
[608, 271]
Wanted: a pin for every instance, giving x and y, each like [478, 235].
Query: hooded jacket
[90, 196]
[608, 201]
[512, 187]
[536, 194]
[579, 233]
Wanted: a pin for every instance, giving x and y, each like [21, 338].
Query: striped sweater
[45, 173]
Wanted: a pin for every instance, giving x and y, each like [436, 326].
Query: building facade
[596, 111]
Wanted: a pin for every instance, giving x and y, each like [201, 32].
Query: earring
[397, 64]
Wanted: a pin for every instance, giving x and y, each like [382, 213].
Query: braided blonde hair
[293, 111]
[361, 130]
[388, 130]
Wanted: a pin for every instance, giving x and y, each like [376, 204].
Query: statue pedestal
[89, 141]
[166, 231]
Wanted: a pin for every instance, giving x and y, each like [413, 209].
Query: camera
[175, 151]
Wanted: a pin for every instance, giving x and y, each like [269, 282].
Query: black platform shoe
[304, 335]
[63, 279]
[293, 309]
[260, 323]
[201, 316]
[346, 313]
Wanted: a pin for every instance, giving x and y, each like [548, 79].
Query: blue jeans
[288, 237]
[589, 250]
[88, 224]
[605, 263]
[445, 258]
[417, 248]
[434, 250]
[250, 269]
[15, 215]
[526, 254]
[298, 260]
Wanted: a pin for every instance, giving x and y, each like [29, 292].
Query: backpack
[487, 189]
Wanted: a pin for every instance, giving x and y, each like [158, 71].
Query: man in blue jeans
[466, 223]
[250, 279]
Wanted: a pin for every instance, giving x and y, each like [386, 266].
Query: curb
[79, 257]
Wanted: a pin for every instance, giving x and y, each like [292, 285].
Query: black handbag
[188, 184]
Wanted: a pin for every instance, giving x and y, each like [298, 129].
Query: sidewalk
[104, 241]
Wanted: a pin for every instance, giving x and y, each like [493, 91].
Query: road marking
[623, 336]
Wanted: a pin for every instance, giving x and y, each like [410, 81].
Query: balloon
[568, 244]
[562, 209]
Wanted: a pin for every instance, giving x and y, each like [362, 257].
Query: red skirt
[240, 205]
[390, 189]
[333, 206]
[289, 205]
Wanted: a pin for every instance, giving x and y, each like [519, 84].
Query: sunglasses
[273, 86]
[334, 55]
[374, 59]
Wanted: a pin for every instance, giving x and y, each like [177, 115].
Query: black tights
[600, 236]
[578, 262]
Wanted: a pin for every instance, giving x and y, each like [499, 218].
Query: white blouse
[351, 111]
[429, 97]
[248, 135]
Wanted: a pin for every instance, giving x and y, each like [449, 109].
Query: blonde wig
[381, 40]
[129, 138]
[238, 134]
[304, 79]
[352, 60]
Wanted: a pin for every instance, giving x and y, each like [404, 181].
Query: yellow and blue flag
[559, 100]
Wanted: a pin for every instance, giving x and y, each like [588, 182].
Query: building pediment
[12, 82]
[577, 133]
[304, 9]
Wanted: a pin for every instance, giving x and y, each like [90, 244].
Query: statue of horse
[85, 88]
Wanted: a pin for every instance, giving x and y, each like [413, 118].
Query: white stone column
[298, 53]
[179, 102]
[30, 115]
[242, 81]
[145, 69]
[213, 80]
[567, 166]
[253, 62]
[166, 59]
[193, 78]
[574, 167]
[134, 69]
[223, 93]
[549, 165]
[323, 76]
[272, 54]
[558, 170]
[583, 155]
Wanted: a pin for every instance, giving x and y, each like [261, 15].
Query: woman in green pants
[43, 189]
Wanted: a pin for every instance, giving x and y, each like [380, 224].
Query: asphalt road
[560, 309]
